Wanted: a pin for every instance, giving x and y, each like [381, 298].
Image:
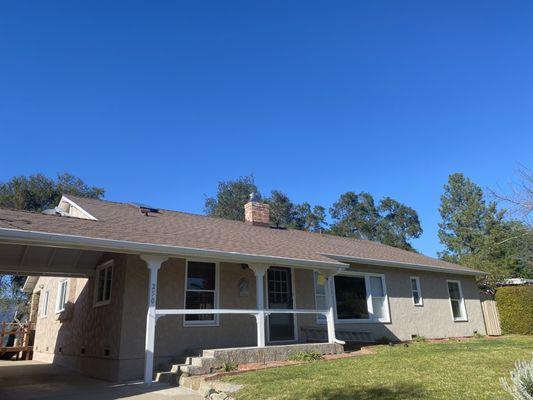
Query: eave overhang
[18, 236]
[398, 264]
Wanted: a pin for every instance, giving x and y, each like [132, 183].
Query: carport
[27, 380]
[25, 259]
[34, 261]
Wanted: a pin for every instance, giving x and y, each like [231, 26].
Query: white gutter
[17, 236]
[399, 264]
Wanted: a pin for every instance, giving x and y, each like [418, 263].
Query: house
[124, 288]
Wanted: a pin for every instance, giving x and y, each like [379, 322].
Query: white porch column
[330, 317]
[259, 271]
[153, 262]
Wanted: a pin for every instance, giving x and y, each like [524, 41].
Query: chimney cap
[254, 197]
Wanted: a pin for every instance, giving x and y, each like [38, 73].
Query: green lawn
[448, 370]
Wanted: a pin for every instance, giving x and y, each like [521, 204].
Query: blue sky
[158, 101]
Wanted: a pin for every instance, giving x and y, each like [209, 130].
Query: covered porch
[274, 310]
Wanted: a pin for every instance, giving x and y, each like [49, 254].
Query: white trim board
[400, 264]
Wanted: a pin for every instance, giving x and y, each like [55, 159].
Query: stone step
[208, 353]
[172, 378]
[175, 367]
[196, 370]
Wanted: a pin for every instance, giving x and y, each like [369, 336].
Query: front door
[280, 326]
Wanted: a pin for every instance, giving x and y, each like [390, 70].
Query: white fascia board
[399, 264]
[80, 209]
[29, 284]
[36, 238]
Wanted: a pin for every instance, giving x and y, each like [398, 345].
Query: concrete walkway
[21, 380]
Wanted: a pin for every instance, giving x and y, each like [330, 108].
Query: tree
[391, 222]
[309, 219]
[231, 197]
[70, 184]
[521, 197]
[399, 223]
[355, 215]
[282, 209]
[466, 217]
[477, 235]
[12, 299]
[38, 192]
[35, 193]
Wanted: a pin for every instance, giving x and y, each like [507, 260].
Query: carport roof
[122, 227]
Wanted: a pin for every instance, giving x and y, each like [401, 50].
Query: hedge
[515, 305]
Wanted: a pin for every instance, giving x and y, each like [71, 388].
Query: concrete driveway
[21, 380]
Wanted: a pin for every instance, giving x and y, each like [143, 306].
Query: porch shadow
[395, 392]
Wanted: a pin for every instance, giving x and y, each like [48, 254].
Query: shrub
[418, 338]
[229, 366]
[306, 356]
[515, 306]
[521, 385]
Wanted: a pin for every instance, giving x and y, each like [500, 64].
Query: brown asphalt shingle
[122, 221]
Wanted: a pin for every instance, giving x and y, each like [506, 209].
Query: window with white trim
[103, 284]
[44, 303]
[457, 300]
[320, 295]
[416, 292]
[201, 288]
[361, 298]
[377, 293]
[61, 299]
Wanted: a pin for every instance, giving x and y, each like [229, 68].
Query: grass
[433, 371]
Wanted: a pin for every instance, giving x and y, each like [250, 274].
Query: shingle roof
[123, 221]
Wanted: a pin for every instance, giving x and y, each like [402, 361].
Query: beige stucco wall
[432, 320]
[60, 337]
[120, 326]
[173, 339]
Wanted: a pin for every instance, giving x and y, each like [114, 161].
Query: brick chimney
[256, 213]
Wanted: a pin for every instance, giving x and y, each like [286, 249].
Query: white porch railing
[154, 262]
[259, 316]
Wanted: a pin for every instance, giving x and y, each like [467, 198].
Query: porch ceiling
[21, 259]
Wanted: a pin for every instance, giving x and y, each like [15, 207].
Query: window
[350, 294]
[415, 290]
[103, 283]
[44, 304]
[201, 292]
[361, 298]
[61, 295]
[379, 300]
[320, 295]
[457, 301]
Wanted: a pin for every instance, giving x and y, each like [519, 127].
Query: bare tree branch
[520, 196]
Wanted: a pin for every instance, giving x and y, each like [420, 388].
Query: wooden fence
[15, 339]
[490, 315]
